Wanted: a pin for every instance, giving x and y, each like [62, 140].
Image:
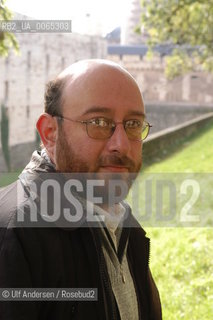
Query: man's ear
[48, 129]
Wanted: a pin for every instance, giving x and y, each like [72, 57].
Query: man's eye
[100, 122]
[133, 124]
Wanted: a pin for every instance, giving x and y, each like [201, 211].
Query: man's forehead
[91, 83]
[86, 73]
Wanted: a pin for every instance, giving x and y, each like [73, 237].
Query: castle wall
[194, 88]
[23, 76]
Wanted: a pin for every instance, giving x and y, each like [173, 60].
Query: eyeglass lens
[105, 132]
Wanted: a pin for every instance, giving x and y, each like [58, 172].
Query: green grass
[195, 154]
[181, 263]
[182, 258]
[7, 178]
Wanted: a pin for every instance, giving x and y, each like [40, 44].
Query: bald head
[75, 84]
[89, 66]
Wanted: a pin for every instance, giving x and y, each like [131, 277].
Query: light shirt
[118, 269]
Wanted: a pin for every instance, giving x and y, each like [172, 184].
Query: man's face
[103, 92]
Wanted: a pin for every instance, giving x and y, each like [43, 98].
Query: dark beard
[66, 161]
[116, 185]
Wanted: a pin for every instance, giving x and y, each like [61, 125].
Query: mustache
[116, 160]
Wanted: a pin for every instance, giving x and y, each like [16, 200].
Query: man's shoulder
[8, 203]
[11, 197]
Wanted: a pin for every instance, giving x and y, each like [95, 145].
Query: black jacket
[60, 257]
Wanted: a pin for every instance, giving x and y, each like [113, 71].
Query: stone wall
[195, 87]
[23, 76]
[160, 141]
[166, 115]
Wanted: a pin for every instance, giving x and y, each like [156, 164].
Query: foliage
[7, 40]
[5, 136]
[186, 24]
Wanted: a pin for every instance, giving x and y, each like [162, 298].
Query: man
[94, 124]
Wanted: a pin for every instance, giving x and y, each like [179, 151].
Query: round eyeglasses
[102, 128]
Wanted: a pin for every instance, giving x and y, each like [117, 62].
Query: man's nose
[119, 142]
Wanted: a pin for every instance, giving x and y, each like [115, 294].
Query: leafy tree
[186, 24]
[7, 40]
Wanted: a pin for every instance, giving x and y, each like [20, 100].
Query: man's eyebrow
[136, 113]
[96, 109]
